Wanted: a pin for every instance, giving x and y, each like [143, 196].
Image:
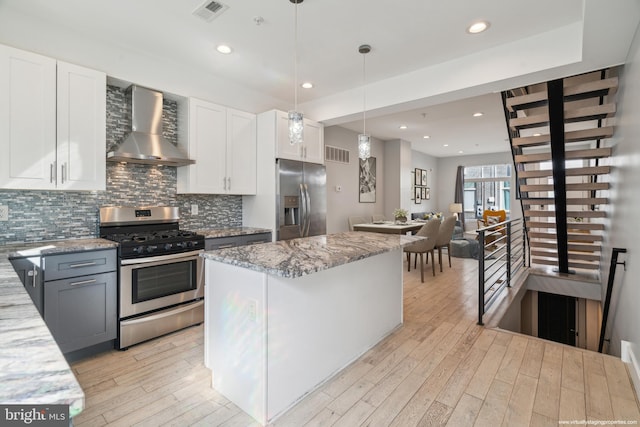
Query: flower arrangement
[400, 214]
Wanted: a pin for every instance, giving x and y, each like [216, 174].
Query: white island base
[270, 340]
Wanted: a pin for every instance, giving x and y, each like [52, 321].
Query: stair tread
[586, 186]
[572, 264]
[587, 170]
[570, 201]
[591, 153]
[571, 136]
[580, 247]
[571, 115]
[571, 225]
[531, 213]
[591, 89]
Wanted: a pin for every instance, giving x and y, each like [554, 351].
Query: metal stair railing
[499, 260]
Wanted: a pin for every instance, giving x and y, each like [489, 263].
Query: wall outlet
[252, 310]
[194, 209]
[4, 213]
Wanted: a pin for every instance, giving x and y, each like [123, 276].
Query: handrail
[607, 301]
[506, 261]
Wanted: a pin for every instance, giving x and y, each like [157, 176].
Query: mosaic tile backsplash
[54, 215]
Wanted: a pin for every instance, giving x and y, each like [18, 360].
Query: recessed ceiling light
[223, 48]
[402, 126]
[537, 134]
[478, 114]
[478, 27]
[426, 137]
[307, 85]
[445, 145]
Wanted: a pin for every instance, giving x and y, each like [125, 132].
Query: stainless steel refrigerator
[301, 199]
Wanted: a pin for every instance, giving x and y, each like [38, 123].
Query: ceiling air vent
[210, 10]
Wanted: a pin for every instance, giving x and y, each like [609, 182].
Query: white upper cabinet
[311, 150]
[52, 123]
[222, 141]
[81, 133]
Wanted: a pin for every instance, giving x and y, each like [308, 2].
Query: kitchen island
[32, 367]
[283, 317]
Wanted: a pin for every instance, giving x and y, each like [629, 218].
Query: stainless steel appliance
[301, 199]
[161, 274]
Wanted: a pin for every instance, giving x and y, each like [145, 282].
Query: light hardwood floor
[440, 368]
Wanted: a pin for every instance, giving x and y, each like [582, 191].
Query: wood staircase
[558, 131]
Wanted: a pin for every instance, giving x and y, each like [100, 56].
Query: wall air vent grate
[209, 10]
[336, 154]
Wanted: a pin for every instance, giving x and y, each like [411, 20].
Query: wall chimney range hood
[145, 144]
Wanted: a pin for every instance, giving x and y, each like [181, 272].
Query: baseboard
[629, 357]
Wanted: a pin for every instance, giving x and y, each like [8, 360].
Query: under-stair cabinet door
[52, 124]
[222, 141]
[310, 150]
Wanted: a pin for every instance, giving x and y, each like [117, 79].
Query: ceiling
[408, 42]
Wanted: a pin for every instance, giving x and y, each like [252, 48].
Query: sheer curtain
[459, 192]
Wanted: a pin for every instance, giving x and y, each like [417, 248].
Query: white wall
[624, 210]
[424, 161]
[343, 204]
[398, 176]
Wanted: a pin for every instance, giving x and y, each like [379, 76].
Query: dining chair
[444, 238]
[356, 220]
[377, 217]
[430, 231]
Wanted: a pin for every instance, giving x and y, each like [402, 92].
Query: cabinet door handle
[51, 168]
[224, 182]
[82, 264]
[63, 172]
[83, 282]
[229, 245]
[229, 178]
[33, 273]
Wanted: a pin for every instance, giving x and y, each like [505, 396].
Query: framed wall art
[424, 177]
[417, 180]
[418, 195]
[367, 181]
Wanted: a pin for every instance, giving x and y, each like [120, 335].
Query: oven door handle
[172, 257]
[160, 315]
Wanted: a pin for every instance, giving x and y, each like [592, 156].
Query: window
[486, 187]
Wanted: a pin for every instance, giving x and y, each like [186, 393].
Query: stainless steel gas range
[161, 275]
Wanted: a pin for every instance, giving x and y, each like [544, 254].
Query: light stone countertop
[32, 367]
[299, 257]
[210, 233]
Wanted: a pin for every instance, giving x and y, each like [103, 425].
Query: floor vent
[336, 154]
[210, 9]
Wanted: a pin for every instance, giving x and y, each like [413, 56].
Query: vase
[401, 219]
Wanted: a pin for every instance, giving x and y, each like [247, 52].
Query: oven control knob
[151, 248]
[181, 244]
[191, 244]
[168, 246]
[138, 249]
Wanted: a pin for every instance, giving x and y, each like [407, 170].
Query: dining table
[389, 227]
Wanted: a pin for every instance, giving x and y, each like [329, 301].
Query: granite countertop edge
[304, 256]
[33, 370]
[212, 233]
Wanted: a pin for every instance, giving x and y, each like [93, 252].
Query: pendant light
[296, 119]
[364, 140]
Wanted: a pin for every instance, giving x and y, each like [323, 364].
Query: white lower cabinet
[52, 123]
[223, 143]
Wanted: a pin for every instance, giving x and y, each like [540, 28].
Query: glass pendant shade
[364, 146]
[296, 128]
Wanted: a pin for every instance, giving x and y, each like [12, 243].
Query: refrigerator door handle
[308, 210]
[303, 210]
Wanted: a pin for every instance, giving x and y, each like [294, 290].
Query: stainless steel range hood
[145, 144]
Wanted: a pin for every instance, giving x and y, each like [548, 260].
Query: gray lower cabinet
[30, 273]
[80, 292]
[233, 241]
